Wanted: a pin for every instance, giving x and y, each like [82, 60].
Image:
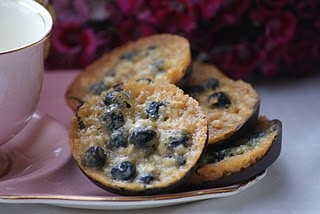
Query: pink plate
[43, 170]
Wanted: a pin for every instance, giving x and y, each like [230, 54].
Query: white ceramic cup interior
[25, 25]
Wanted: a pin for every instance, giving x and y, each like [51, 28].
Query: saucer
[38, 150]
[42, 171]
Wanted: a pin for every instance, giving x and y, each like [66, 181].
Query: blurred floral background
[261, 39]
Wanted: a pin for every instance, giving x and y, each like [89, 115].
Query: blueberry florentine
[130, 150]
[263, 142]
[163, 57]
[231, 106]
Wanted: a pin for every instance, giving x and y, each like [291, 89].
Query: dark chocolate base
[241, 177]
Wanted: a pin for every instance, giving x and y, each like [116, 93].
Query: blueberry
[158, 64]
[112, 97]
[152, 47]
[195, 90]
[143, 138]
[116, 97]
[219, 100]
[217, 156]
[123, 171]
[129, 56]
[98, 88]
[212, 83]
[147, 179]
[253, 139]
[80, 122]
[153, 109]
[181, 160]
[257, 135]
[178, 138]
[213, 157]
[118, 139]
[95, 156]
[113, 118]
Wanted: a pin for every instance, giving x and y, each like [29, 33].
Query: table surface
[292, 183]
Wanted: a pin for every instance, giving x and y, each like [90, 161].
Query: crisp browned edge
[76, 91]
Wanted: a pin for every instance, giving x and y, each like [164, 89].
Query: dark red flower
[147, 16]
[129, 7]
[241, 60]
[317, 24]
[230, 14]
[306, 31]
[271, 4]
[271, 59]
[209, 8]
[308, 9]
[242, 37]
[202, 40]
[267, 9]
[177, 16]
[217, 57]
[281, 29]
[233, 9]
[72, 45]
[131, 19]
[131, 29]
[302, 57]
[302, 52]
[270, 70]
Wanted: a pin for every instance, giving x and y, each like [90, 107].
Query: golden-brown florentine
[241, 154]
[138, 137]
[231, 107]
[157, 57]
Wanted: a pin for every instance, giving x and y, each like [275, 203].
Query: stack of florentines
[148, 120]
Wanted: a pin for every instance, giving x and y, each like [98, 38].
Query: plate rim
[130, 202]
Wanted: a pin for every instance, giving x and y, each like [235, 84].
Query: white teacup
[24, 27]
